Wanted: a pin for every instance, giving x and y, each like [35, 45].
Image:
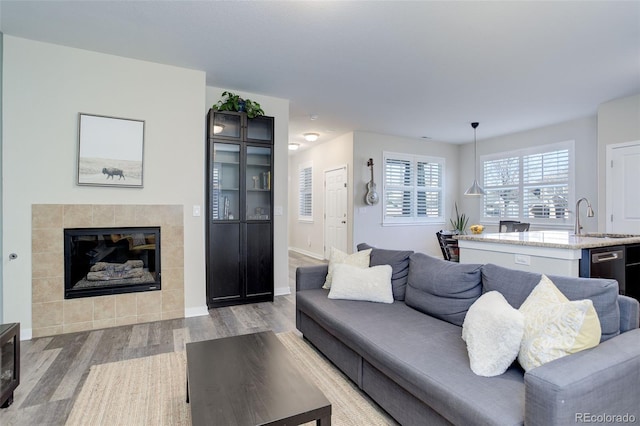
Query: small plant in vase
[234, 102]
[460, 222]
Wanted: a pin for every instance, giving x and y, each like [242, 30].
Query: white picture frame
[110, 151]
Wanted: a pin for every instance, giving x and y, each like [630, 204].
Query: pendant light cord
[475, 151]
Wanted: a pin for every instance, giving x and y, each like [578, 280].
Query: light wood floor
[53, 369]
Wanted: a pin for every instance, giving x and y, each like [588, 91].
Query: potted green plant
[234, 102]
[460, 222]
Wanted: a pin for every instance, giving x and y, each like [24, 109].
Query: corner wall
[308, 237]
[582, 131]
[1, 197]
[45, 87]
[367, 222]
[618, 122]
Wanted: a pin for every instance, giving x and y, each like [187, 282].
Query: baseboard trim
[196, 312]
[26, 333]
[307, 253]
[281, 291]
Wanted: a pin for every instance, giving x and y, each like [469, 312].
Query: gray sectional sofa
[409, 356]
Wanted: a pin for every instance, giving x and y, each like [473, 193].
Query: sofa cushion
[554, 326]
[442, 289]
[399, 261]
[359, 259]
[516, 286]
[368, 284]
[493, 331]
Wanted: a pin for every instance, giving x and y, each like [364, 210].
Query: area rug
[152, 391]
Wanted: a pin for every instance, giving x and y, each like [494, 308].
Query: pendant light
[475, 189]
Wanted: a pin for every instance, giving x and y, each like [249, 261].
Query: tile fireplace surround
[52, 314]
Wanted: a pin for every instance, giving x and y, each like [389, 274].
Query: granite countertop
[554, 239]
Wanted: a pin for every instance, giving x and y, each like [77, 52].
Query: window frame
[305, 190]
[413, 218]
[523, 213]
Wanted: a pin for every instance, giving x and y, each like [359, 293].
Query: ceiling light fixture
[475, 189]
[311, 137]
[294, 146]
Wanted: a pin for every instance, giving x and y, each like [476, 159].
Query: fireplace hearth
[104, 261]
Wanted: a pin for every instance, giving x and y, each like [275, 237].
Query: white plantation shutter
[546, 184]
[502, 180]
[533, 185]
[398, 177]
[429, 189]
[215, 194]
[413, 188]
[305, 198]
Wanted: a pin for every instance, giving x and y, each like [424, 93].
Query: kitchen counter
[548, 252]
[554, 239]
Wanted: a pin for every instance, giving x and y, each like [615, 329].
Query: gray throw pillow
[516, 286]
[442, 289]
[399, 261]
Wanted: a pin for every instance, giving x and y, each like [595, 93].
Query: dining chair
[507, 225]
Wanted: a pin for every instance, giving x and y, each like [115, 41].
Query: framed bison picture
[110, 151]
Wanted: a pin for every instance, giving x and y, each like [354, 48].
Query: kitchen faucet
[578, 227]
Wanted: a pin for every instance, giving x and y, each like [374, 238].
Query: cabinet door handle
[605, 257]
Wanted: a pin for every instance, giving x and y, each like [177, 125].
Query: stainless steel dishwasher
[604, 262]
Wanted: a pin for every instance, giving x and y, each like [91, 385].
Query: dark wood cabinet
[239, 209]
[9, 362]
[632, 271]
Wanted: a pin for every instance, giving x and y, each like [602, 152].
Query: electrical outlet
[196, 211]
[523, 259]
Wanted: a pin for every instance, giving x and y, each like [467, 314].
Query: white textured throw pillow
[493, 330]
[368, 284]
[554, 326]
[359, 259]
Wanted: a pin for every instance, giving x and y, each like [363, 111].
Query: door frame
[324, 205]
[609, 178]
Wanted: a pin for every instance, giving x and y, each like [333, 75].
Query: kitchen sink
[607, 235]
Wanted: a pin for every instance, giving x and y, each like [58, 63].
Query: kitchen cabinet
[632, 271]
[548, 252]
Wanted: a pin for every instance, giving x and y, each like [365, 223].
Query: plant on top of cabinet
[236, 103]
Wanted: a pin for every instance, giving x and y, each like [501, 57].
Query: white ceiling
[404, 68]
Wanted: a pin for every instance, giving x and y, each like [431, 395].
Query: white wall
[279, 109]
[308, 237]
[45, 86]
[618, 122]
[367, 223]
[582, 131]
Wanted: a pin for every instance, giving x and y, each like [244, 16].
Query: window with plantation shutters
[413, 188]
[533, 185]
[305, 192]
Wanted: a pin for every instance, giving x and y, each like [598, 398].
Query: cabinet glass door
[225, 182]
[258, 183]
[260, 129]
[226, 125]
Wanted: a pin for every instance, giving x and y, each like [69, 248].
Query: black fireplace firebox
[102, 261]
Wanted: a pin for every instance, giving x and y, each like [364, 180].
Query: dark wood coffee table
[250, 380]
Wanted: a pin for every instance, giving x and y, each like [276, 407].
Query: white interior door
[623, 178]
[335, 210]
